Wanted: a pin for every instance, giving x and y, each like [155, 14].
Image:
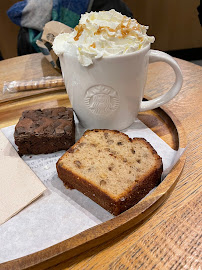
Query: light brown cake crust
[129, 197]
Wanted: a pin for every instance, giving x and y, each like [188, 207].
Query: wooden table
[170, 237]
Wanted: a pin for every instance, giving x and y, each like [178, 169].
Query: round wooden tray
[166, 126]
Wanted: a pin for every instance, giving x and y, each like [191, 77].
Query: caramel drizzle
[125, 30]
[93, 45]
[79, 28]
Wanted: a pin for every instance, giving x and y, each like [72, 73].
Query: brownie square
[45, 131]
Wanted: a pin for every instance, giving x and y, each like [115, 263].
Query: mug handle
[155, 56]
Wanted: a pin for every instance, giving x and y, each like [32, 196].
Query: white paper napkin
[16, 192]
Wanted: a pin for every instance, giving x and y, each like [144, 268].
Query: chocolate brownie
[45, 131]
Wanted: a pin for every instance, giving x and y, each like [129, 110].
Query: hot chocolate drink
[104, 63]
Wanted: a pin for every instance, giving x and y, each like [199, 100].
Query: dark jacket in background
[118, 5]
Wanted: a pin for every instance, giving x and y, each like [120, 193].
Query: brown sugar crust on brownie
[110, 168]
[45, 131]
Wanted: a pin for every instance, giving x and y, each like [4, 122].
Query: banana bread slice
[111, 169]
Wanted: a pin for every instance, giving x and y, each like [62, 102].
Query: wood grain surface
[170, 237]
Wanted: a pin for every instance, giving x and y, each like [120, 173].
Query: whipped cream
[102, 34]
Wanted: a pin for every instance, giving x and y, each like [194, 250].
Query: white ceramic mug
[108, 94]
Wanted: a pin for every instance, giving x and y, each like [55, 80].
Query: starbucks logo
[50, 37]
[101, 99]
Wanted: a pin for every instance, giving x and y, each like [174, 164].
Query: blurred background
[174, 23]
